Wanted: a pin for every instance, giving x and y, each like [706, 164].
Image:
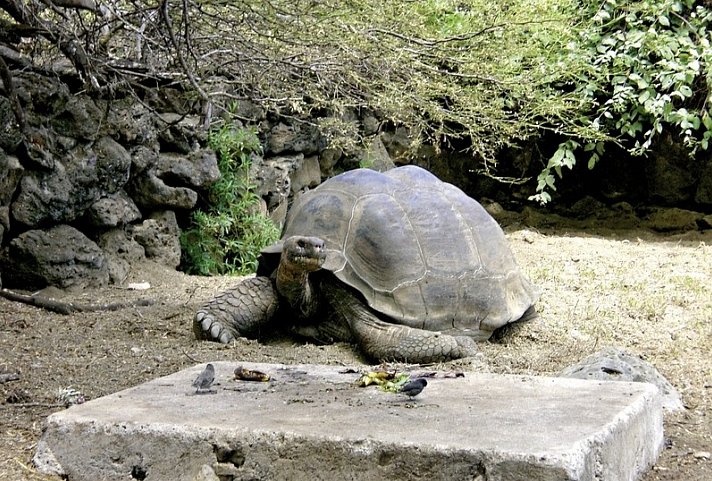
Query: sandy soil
[648, 293]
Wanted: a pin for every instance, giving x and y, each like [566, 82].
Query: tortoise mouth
[305, 253]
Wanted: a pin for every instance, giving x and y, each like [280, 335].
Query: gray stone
[285, 139]
[160, 237]
[84, 175]
[616, 364]
[150, 191]
[121, 252]
[80, 118]
[328, 158]
[61, 256]
[673, 219]
[113, 210]
[10, 175]
[198, 169]
[312, 423]
[370, 123]
[179, 135]
[375, 156]
[117, 242]
[273, 178]
[132, 123]
[144, 158]
[306, 174]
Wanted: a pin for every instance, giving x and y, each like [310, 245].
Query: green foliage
[651, 73]
[226, 238]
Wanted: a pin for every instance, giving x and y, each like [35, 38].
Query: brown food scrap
[243, 374]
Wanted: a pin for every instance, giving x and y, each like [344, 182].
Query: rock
[79, 119]
[198, 169]
[328, 158]
[376, 157]
[673, 219]
[301, 138]
[397, 143]
[206, 473]
[306, 174]
[706, 222]
[83, 175]
[10, 175]
[144, 158]
[121, 253]
[370, 123]
[116, 242]
[616, 364]
[60, 256]
[177, 132]
[273, 177]
[160, 237]
[151, 192]
[132, 123]
[670, 172]
[113, 210]
[588, 207]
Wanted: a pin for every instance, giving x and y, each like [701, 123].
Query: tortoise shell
[419, 250]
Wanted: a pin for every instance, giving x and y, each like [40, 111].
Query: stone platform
[312, 423]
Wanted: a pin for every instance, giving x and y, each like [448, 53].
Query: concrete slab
[312, 423]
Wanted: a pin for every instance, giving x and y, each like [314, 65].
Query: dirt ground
[650, 294]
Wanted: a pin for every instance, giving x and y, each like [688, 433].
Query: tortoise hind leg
[240, 311]
[384, 341]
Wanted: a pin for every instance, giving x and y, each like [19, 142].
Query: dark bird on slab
[415, 387]
[204, 380]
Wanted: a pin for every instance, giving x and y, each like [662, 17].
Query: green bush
[651, 72]
[226, 236]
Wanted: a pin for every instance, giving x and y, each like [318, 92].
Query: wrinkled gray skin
[404, 265]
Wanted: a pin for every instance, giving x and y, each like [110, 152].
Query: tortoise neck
[297, 287]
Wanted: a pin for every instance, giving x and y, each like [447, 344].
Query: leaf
[558, 155]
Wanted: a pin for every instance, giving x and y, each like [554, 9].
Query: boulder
[160, 237]
[300, 138]
[10, 175]
[673, 219]
[115, 209]
[616, 364]
[78, 179]
[60, 256]
[121, 251]
[198, 168]
[375, 156]
[151, 192]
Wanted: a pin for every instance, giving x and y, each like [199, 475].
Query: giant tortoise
[403, 264]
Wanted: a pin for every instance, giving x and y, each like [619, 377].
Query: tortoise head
[305, 254]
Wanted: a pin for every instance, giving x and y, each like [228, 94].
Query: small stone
[702, 455]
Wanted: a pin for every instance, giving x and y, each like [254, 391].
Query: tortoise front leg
[240, 311]
[383, 341]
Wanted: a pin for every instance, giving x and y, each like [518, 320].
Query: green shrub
[226, 237]
[652, 69]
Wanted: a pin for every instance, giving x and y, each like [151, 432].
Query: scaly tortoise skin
[403, 264]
